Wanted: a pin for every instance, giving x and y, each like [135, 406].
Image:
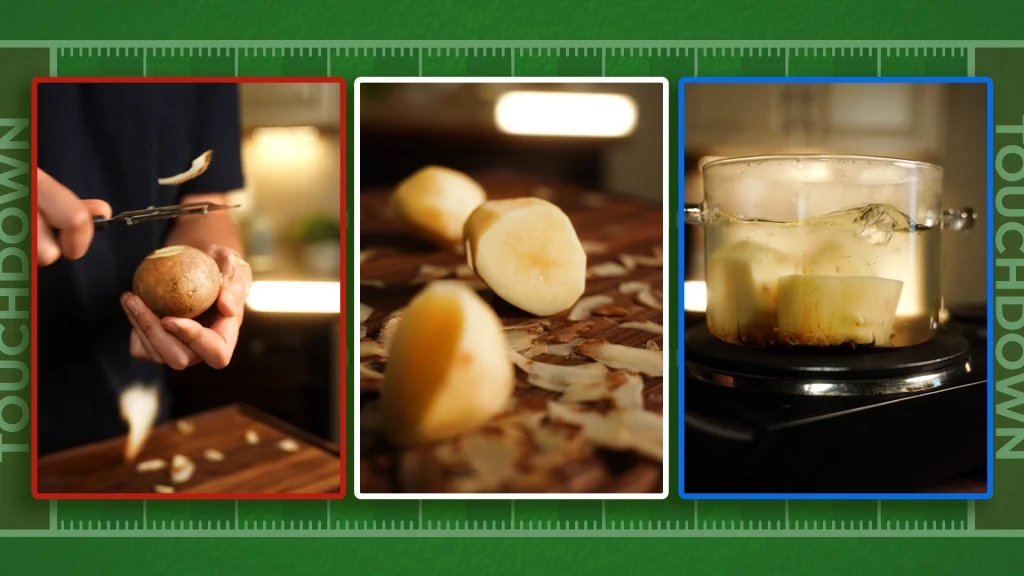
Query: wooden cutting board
[263, 468]
[621, 225]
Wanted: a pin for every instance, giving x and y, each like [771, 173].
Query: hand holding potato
[64, 223]
[182, 342]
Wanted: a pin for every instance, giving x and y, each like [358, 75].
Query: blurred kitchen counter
[288, 287]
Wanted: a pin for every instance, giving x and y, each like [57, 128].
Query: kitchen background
[608, 137]
[290, 208]
[944, 124]
[287, 359]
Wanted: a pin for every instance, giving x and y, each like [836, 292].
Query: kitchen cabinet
[906, 120]
[285, 104]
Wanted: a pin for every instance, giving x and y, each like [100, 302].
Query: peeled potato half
[448, 369]
[434, 202]
[837, 310]
[742, 281]
[527, 251]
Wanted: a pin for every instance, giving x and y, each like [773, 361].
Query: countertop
[609, 226]
[262, 467]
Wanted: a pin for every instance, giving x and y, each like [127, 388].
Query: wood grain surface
[263, 468]
[622, 225]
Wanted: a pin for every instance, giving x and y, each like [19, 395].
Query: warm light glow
[695, 296]
[565, 114]
[288, 146]
[817, 173]
[139, 407]
[295, 297]
[285, 135]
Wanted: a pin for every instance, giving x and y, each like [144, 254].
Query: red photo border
[343, 281]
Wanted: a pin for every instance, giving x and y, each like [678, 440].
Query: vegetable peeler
[160, 213]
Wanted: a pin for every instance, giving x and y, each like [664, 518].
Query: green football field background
[513, 557]
[260, 38]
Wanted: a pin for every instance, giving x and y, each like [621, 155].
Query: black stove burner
[859, 372]
[783, 422]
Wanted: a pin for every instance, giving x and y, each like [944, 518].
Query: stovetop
[745, 440]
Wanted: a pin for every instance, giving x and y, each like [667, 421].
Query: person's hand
[64, 222]
[179, 342]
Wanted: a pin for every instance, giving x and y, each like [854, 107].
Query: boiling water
[867, 241]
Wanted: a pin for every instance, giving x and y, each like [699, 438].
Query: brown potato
[179, 281]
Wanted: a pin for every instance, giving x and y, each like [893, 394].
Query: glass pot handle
[693, 214]
[959, 220]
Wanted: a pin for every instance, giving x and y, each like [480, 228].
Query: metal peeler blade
[161, 213]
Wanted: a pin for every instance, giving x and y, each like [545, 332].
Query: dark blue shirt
[112, 142]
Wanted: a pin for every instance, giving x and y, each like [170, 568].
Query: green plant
[319, 227]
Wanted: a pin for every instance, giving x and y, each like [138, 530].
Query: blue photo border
[680, 311]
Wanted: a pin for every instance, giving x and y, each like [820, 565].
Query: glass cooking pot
[823, 251]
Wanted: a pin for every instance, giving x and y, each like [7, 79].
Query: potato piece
[179, 281]
[433, 204]
[527, 252]
[835, 259]
[288, 445]
[182, 469]
[140, 405]
[836, 310]
[449, 369]
[742, 281]
[151, 465]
